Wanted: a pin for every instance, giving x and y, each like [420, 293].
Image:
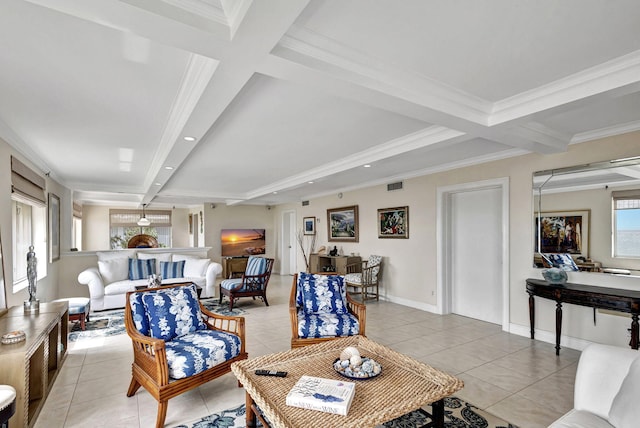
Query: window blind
[26, 183]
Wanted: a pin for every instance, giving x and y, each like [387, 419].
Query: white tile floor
[520, 380]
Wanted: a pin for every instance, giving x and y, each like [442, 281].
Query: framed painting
[562, 232]
[309, 225]
[54, 227]
[393, 222]
[342, 224]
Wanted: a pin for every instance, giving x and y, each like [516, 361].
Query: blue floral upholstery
[173, 312]
[321, 294]
[327, 325]
[322, 307]
[193, 353]
[255, 266]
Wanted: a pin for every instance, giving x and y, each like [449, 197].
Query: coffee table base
[253, 414]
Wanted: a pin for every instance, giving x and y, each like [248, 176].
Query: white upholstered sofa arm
[92, 278]
[213, 270]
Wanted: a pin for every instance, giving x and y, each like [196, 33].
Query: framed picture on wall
[562, 232]
[342, 224]
[54, 227]
[309, 225]
[393, 222]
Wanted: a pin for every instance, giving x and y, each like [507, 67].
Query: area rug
[457, 414]
[111, 323]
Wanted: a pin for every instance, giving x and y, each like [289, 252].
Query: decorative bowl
[555, 276]
[372, 369]
[13, 337]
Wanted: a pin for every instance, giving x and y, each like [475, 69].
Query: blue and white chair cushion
[356, 278]
[193, 353]
[321, 294]
[172, 312]
[255, 266]
[327, 325]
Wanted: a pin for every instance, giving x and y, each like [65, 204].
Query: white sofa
[606, 390]
[109, 281]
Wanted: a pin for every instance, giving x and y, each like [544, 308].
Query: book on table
[325, 395]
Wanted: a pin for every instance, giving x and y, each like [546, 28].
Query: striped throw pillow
[141, 269]
[172, 269]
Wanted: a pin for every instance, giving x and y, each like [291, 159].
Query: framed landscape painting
[342, 224]
[393, 222]
[562, 232]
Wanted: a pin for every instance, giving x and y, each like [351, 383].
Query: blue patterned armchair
[178, 345]
[253, 282]
[321, 310]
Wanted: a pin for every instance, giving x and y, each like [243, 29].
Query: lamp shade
[143, 221]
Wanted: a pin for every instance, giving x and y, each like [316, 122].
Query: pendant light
[144, 221]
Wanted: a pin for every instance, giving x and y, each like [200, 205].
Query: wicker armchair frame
[150, 369]
[368, 280]
[253, 286]
[357, 309]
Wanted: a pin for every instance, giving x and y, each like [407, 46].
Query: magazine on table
[325, 395]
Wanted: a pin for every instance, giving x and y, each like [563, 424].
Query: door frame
[293, 259]
[443, 232]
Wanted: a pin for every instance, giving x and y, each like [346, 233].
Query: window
[626, 224]
[123, 226]
[29, 228]
[76, 230]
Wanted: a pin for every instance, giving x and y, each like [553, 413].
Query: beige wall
[411, 264]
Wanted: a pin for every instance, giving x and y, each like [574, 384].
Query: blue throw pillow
[173, 312]
[170, 270]
[141, 269]
[256, 266]
[321, 294]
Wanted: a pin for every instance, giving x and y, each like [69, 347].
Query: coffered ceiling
[289, 100]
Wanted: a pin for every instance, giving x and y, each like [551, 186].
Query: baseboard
[549, 337]
[411, 303]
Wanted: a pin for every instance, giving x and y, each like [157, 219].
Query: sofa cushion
[121, 287]
[141, 269]
[193, 266]
[173, 312]
[112, 270]
[115, 254]
[196, 352]
[327, 325]
[169, 270]
[321, 293]
[160, 257]
[625, 413]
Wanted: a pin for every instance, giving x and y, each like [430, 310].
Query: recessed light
[189, 138]
[158, 184]
[275, 193]
[310, 182]
[367, 166]
[168, 167]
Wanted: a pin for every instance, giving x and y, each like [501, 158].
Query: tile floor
[520, 380]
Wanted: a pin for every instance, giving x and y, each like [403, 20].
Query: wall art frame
[54, 227]
[562, 232]
[393, 222]
[342, 224]
[309, 225]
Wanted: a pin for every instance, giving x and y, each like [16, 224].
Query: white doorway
[288, 244]
[473, 273]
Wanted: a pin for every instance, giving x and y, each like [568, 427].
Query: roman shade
[26, 183]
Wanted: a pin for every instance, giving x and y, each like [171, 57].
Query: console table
[233, 266]
[31, 366]
[614, 299]
[338, 264]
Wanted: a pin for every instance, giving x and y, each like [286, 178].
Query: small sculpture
[32, 304]
[155, 280]
[334, 252]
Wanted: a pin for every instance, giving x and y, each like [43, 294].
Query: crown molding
[604, 77]
[211, 10]
[609, 131]
[198, 74]
[364, 70]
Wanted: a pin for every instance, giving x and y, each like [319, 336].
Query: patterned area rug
[111, 323]
[458, 414]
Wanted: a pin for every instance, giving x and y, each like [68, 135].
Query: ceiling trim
[204, 9]
[198, 74]
[609, 131]
[369, 72]
[601, 78]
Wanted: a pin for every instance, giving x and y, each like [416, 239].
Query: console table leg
[558, 325]
[634, 331]
[532, 314]
[437, 412]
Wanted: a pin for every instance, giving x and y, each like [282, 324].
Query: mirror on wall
[592, 213]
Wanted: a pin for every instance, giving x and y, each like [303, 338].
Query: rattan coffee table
[405, 384]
